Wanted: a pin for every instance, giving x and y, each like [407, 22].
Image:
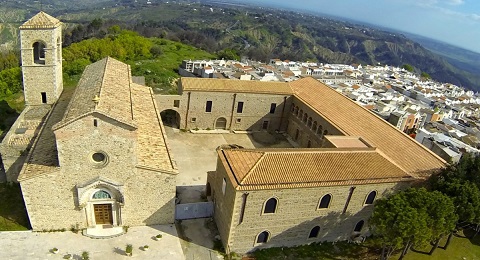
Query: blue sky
[452, 21]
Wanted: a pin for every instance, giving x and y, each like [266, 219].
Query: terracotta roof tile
[289, 168]
[41, 20]
[103, 79]
[152, 149]
[239, 86]
[354, 120]
[43, 157]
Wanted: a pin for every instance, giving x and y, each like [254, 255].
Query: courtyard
[195, 156]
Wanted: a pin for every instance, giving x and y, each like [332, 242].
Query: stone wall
[223, 203]
[296, 214]
[53, 201]
[309, 131]
[256, 110]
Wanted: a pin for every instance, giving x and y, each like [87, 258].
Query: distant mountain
[466, 60]
[262, 33]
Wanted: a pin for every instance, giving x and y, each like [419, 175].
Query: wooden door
[103, 214]
[221, 123]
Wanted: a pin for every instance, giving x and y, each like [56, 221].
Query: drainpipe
[233, 109]
[283, 112]
[348, 199]
[188, 108]
[242, 210]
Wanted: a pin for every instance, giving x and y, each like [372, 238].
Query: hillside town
[441, 116]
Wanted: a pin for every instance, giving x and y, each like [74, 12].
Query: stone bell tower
[41, 53]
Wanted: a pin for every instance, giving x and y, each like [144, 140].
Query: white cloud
[455, 2]
[475, 17]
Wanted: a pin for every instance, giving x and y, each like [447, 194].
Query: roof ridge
[253, 168]
[41, 20]
[102, 84]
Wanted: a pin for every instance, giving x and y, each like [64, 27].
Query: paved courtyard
[33, 245]
[195, 155]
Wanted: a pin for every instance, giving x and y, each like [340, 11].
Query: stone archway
[170, 118]
[221, 123]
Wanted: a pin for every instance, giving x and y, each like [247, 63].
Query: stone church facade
[100, 158]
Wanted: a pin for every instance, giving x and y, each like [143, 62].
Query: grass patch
[459, 248]
[13, 215]
[161, 72]
[325, 250]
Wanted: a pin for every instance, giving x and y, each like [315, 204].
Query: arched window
[305, 116]
[300, 114]
[370, 198]
[309, 122]
[325, 132]
[319, 130]
[359, 226]
[39, 53]
[293, 108]
[325, 201]
[314, 126]
[314, 232]
[101, 194]
[270, 206]
[263, 237]
[296, 111]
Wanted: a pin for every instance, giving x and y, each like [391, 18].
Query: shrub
[129, 249]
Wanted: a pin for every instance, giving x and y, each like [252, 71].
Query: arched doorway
[221, 123]
[170, 118]
[103, 207]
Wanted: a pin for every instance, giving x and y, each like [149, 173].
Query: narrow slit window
[208, 106]
[273, 106]
[240, 107]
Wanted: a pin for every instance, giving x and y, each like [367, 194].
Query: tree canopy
[408, 67]
[461, 182]
[413, 217]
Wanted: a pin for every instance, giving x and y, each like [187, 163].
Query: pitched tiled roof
[152, 149]
[108, 80]
[238, 86]
[41, 21]
[43, 158]
[354, 120]
[292, 168]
